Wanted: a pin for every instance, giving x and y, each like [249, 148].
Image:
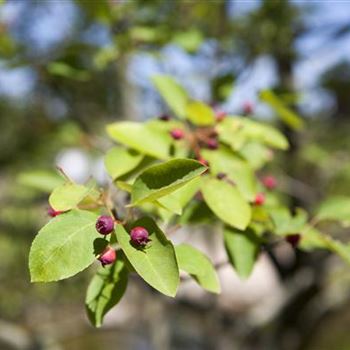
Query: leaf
[173, 93]
[226, 202]
[119, 161]
[236, 169]
[335, 208]
[63, 247]
[177, 200]
[68, 196]
[312, 238]
[286, 114]
[44, 181]
[156, 263]
[141, 137]
[285, 223]
[190, 40]
[162, 179]
[64, 70]
[256, 154]
[195, 263]
[105, 290]
[200, 114]
[242, 249]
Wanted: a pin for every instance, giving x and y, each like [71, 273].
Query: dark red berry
[177, 134]
[220, 176]
[139, 236]
[293, 239]
[108, 256]
[52, 212]
[247, 108]
[105, 224]
[220, 116]
[259, 199]
[165, 117]
[269, 182]
[212, 144]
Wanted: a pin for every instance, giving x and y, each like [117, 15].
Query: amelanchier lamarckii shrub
[194, 165]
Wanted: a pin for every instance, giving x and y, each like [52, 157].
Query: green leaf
[162, 179]
[200, 114]
[63, 247]
[236, 131]
[195, 263]
[190, 40]
[256, 154]
[173, 93]
[226, 202]
[64, 70]
[156, 263]
[44, 181]
[119, 161]
[285, 223]
[242, 249]
[312, 239]
[286, 114]
[335, 208]
[236, 169]
[144, 138]
[105, 290]
[177, 200]
[68, 196]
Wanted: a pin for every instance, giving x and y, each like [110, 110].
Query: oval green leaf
[196, 264]
[156, 263]
[63, 247]
[335, 208]
[68, 196]
[142, 137]
[200, 114]
[226, 202]
[119, 161]
[172, 92]
[242, 249]
[162, 179]
[105, 291]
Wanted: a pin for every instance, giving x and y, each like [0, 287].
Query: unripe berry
[108, 256]
[259, 199]
[247, 108]
[139, 236]
[52, 212]
[203, 161]
[177, 134]
[212, 144]
[220, 116]
[269, 182]
[293, 239]
[105, 224]
[165, 117]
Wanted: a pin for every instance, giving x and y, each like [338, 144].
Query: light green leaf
[44, 181]
[63, 247]
[242, 248]
[156, 263]
[256, 154]
[226, 202]
[68, 196]
[236, 131]
[286, 114]
[66, 71]
[190, 40]
[144, 138]
[200, 114]
[236, 169]
[335, 208]
[105, 290]
[195, 263]
[162, 179]
[173, 93]
[177, 200]
[119, 161]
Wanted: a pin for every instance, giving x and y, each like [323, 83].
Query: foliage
[209, 165]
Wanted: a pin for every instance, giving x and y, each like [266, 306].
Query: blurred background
[69, 67]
